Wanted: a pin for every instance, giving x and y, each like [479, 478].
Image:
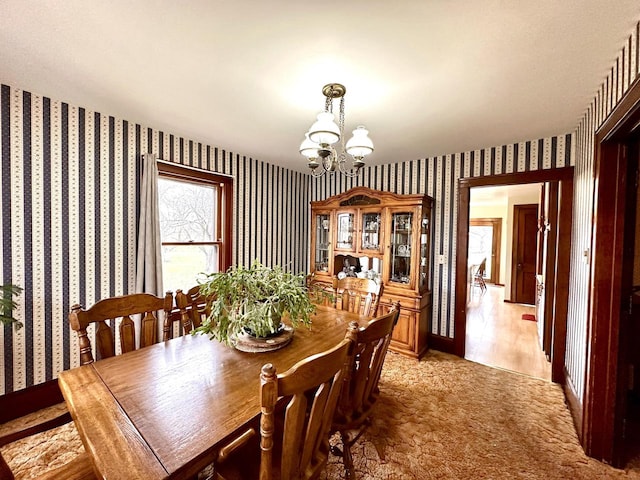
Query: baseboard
[19, 403]
[440, 343]
[575, 407]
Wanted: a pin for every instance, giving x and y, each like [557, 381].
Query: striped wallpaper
[438, 178]
[622, 74]
[70, 180]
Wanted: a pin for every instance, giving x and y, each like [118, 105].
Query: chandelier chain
[341, 118]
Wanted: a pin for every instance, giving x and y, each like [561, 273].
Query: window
[195, 224]
[484, 244]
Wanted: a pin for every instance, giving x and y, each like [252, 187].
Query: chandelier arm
[349, 173]
[317, 173]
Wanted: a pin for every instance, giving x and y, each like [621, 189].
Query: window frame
[224, 222]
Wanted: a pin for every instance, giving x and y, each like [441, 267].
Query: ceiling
[425, 77]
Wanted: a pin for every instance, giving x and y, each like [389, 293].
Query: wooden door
[627, 428]
[550, 235]
[523, 256]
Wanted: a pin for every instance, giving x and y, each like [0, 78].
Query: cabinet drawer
[405, 303]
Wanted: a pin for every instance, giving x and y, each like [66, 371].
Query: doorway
[630, 318]
[606, 407]
[559, 295]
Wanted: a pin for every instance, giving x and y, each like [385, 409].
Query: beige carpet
[440, 418]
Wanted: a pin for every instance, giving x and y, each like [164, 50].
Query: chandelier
[318, 147]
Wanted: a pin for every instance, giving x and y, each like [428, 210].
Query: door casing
[601, 432]
[564, 176]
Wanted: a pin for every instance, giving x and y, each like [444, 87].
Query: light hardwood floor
[498, 336]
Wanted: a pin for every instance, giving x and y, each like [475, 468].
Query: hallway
[497, 335]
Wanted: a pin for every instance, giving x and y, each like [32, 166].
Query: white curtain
[149, 260]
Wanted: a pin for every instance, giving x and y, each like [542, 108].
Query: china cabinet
[386, 237]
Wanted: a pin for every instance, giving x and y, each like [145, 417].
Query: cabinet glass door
[322, 243]
[425, 235]
[370, 231]
[401, 247]
[345, 228]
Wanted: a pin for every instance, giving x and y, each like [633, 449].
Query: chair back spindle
[200, 307]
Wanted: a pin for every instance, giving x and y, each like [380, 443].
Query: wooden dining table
[164, 411]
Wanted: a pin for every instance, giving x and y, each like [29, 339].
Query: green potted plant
[252, 300]
[7, 304]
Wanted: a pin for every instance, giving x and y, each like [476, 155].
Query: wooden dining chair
[180, 319]
[478, 276]
[112, 309]
[199, 306]
[294, 436]
[360, 390]
[359, 295]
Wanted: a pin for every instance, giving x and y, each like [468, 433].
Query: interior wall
[70, 180]
[497, 210]
[624, 71]
[438, 177]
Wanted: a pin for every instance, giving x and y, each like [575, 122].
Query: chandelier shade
[360, 145]
[324, 130]
[318, 147]
[308, 147]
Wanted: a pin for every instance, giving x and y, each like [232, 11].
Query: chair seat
[36, 422]
[78, 468]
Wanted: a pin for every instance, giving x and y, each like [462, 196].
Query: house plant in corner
[250, 302]
[7, 304]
